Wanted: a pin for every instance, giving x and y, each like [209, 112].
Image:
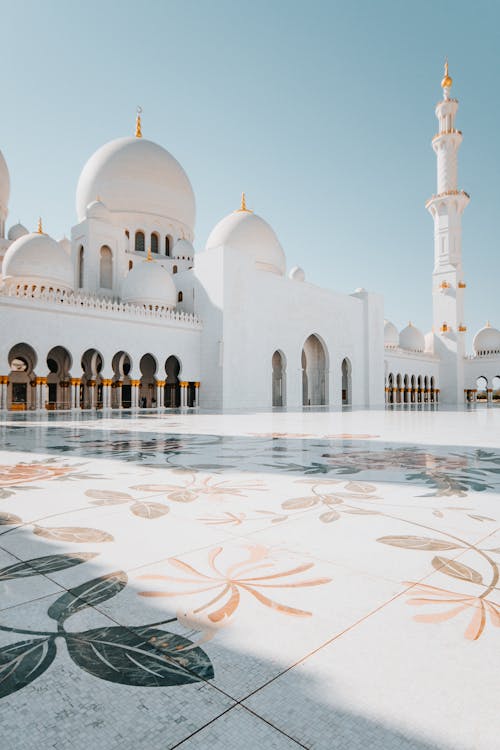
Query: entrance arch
[21, 389]
[346, 381]
[314, 372]
[279, 379]
[58, 380]
[172, 386]
[482, 388]
[121, 393]
[147, 389]
[91, 381]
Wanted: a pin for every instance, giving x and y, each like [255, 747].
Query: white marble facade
[126, 314]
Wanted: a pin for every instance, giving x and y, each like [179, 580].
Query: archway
[495, 384]
[58, 380]
[314, 372]
[147, 389]
[399, 387]
[433, 390]
[482, 388]
[346, 381]
[390, 387]
[406, 392]
[91, 381]
[121, 388]
[21, 389]
[413, 394]
[419, 389]
[106, 268]
[172, 387]
[278, 381]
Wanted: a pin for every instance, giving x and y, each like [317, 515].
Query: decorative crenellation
[86, 301]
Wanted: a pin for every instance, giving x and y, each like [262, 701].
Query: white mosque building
[127, 315]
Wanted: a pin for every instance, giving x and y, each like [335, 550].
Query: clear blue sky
[322, 112]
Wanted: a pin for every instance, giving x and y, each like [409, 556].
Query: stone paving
[319, 579]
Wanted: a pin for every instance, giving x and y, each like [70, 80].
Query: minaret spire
[446, 208]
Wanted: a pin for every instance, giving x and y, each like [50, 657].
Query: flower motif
[230, 581]
[22, 473]
[194, 487]
[432, 595]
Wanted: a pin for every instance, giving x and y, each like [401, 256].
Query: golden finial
[488, 324]
[138, 131]
[40, 228]
[243, 206]
[447, 81]
[149, 257]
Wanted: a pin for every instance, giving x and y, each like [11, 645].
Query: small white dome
[183, 249]
[297, 274]
[97, 210]
[360, 290]
[487, 341]
[16, 231]
[391, 335]
[65, 244]
[4, 186]
[248, 234]
[412, 339]
[38, 259]
[150, 285]
[138, 176]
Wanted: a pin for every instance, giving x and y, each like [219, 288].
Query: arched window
[106, 268]
[139, 242]
[154, 243]
[130, 265]
[167, 245]
[179, 297]
[174, 269]
[80, 267]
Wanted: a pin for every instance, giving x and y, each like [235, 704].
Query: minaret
[448, 285]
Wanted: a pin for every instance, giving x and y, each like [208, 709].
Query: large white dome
[391, 335]
[4, 185]
[38, 259]
[16, 231]
[137, 176]
[150, 285]
[412, 339]
[487, 341]
[248, 234]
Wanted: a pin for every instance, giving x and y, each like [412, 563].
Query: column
[118, 394]
[92, 389]
[465, 395]
[183, 386]
[394, 395]
[75, 392]
[160, 392]
[436, 395]
[197, 394]
[3, 391]
[106, 393]
[45, 393]
[489, 395]
[135, 393]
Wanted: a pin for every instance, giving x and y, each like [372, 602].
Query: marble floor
[320, 579]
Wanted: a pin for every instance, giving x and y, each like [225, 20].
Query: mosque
[126, 315]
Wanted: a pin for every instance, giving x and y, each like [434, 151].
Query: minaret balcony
[453, 131]
[463, 198]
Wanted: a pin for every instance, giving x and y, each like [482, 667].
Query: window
[130, 265]
[167, 246]
[139, 242]
[106, 268]
[80, 267]
[174, 269]
[179, 297]
[154, 243]
[127, 234]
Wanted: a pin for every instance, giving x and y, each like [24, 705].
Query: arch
[172, 387]
[419, 389]
[346, 381]
[174, 269]
[180, 297]
[155, 242]
[432, 389]
[147, 389]
[413, 389]
[278, 379]
[130, 265]
[140, 242]
[81, 267]
[495, 386]
[59, 363]
[121, 388]
[168, 245]
[106, 268]
[21, 388]
[314, 372]
[406, 392]
[482, 388]
[91, 381]
[390, 386]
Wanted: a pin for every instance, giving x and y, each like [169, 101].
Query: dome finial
[243, 207]
[138, 131]
[446, 83]
[488, 324]
[40, 228]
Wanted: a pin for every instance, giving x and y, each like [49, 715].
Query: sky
[322, 112]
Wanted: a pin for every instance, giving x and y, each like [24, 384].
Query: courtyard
[315, 579]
